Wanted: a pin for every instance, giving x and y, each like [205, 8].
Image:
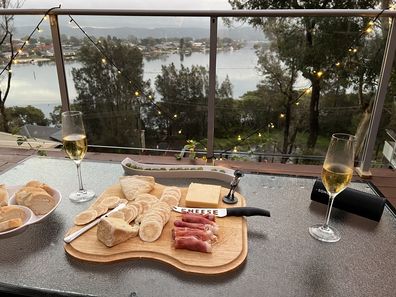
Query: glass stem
[329, 206]
[80, 183]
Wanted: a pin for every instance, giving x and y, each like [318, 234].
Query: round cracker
[100, 209]
[85, 217]
[150, 231]
[110, 201]
[117, 214]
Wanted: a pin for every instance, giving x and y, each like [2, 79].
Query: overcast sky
[131, 4]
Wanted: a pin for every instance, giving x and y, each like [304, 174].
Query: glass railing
[282, 86]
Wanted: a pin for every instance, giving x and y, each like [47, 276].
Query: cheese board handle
[247, 212]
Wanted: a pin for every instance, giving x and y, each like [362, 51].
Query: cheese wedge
[112, 231]
[201, 195]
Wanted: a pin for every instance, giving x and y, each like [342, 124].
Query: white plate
[178, 171]
[32, 218]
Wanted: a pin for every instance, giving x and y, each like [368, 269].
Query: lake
[38, 85]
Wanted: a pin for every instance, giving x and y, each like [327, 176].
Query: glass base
[326, 234]
[82, 196]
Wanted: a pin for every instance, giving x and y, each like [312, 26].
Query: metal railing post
[212, 86]
[60, 66]
[386, 69]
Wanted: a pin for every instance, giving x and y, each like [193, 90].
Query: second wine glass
[75, 145]
[336, 175]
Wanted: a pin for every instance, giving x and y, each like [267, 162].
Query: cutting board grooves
[228, 253]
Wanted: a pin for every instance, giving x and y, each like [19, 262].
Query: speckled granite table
[283, 259]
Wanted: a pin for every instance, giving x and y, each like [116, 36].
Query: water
[37, 85]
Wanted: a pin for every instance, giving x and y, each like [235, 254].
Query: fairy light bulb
[239, 138]
[338, 64]
[175, 116]
[355, 50]
[136, 93]
[45, 18]
[180, 131]
[104, 61]
[235, 149]
[282, 115]
[259, 135]
[297, 103]
[150, 97]
[19, 51]
[369, 30]
[319, 74]
[27, 42]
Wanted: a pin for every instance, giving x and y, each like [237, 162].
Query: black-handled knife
[223, 212]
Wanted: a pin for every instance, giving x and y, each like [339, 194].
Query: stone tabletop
[283, 259]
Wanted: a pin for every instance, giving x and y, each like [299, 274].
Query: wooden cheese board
[228, 253]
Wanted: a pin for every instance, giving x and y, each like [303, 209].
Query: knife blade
[223, 212]
[79, 232]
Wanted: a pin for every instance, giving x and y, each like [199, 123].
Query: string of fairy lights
[320, 73]
[12, 59]
[139, 93]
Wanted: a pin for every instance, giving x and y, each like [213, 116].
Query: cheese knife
[223, 212]
[79, 232]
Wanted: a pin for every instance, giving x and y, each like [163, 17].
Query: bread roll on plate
[3, 195]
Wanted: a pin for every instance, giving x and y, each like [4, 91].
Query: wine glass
[336, 175]
[75, 145]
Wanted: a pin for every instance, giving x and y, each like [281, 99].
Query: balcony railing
[384, 77]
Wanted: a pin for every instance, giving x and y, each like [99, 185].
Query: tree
[7, 39]
[313, 43]
[281, 79]
[184, 93]
[111, 100]
[25, 115]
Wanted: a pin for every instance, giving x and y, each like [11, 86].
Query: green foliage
[20, 116]
[107, 98]
[184, 92]
[33, 143]
[312, 44]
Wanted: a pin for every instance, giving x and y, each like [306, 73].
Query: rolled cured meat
[193, 244]
[196, 218]
[205, 235]
[213, 228]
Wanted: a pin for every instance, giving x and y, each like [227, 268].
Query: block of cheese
[112, 231]
[201, 195]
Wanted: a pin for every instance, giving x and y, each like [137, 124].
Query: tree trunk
[286, 132]
[314, 114]
[6, 128]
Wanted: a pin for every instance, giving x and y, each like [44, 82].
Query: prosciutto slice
[213, 228]
[193, 244]
[196, 218]
[208, 216]
[205, 235]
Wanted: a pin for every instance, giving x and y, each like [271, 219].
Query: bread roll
[39, 203]
[10, 224]
[23, 193]
[37, 196]
[112, 231]
[11, 212]
[3, 195]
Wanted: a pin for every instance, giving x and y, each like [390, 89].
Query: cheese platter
[228, 252]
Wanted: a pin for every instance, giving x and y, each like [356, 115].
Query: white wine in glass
[336, 175]
[75, 145]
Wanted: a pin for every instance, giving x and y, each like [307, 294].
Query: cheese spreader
[84, 229]
[223, 212]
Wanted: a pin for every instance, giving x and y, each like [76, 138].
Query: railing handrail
[205, 13]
